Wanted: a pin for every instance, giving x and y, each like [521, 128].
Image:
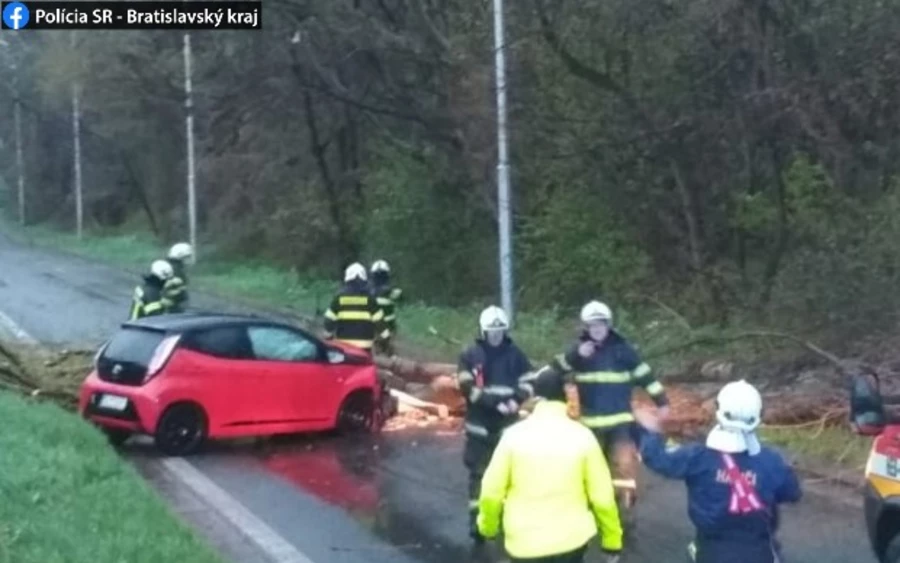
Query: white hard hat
[162, 269]
[493, 318]
[596, 311]
[355, 271]
[181, 251]
[380, 266]
[739, 407]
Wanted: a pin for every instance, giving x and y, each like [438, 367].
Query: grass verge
[66, 496]
[439, 331]
[829, 450]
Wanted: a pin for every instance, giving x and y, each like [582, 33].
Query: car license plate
[113, 402]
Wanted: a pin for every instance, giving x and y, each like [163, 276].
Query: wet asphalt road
[397, 498]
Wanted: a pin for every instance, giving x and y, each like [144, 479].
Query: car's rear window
[134, 346]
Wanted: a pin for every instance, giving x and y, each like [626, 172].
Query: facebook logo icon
[16, 15]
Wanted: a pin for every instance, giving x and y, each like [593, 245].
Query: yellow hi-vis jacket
[551, 485]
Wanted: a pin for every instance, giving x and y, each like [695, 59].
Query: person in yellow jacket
[548, 485]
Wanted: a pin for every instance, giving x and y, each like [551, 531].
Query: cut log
[406, 402]
[413, 371]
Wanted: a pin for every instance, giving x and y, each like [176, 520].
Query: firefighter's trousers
[621, 452]
[477, 454]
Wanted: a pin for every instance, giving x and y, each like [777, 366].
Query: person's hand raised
[647, 418]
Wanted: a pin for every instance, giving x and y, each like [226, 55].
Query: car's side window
[273, 343]
[224, 342]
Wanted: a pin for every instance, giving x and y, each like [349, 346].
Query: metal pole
[503, 190]
[20, 167]
[76, 156]
[189, 126]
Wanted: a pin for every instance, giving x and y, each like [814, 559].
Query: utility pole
[76, 152]
[189, 133]
[20, 166]
[503, 191]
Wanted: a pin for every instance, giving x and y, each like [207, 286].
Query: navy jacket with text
[709, 489]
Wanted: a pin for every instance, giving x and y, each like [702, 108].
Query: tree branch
[436, 36]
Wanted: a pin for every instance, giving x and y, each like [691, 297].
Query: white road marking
[15, 330]
[267, 539]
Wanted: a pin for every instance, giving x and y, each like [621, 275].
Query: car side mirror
[867, 414]
[335, 356]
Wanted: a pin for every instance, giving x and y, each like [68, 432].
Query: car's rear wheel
[357, 413]
[117, 436]
[181, 430]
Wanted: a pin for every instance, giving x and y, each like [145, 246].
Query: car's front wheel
[357, 413]
[181, 430]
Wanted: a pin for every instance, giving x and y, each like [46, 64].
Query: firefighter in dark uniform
[148, 298]
[388, 296]
[180, 255]
[491, 377]
[354, 316]
[734, 484]
[604, 368]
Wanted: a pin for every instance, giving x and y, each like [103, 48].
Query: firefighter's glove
[586, 348]
[508, 408]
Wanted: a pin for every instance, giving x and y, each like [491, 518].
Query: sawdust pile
[692, 406]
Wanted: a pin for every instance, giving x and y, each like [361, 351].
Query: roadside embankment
[66, 496]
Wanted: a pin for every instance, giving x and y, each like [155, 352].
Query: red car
[187, 377]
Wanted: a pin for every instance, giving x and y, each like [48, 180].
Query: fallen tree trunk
[413, 371]
[57, 376]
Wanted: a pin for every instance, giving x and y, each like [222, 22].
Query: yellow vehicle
[882, 489]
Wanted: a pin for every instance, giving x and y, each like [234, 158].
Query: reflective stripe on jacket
[387, 299]
[354, 317]
[551, 485]
[175, 288]
[148, 301]
[605, 381]
[487, 376]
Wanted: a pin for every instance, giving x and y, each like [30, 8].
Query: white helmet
[355, 271]
[181, 251]
[162, 269]
[493, 318]
[596, 311]
[380, 266]
[739, 407]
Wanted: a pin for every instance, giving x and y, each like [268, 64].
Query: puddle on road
[346, 479]
[353, 474]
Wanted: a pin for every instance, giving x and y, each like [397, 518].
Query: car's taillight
[161, 355]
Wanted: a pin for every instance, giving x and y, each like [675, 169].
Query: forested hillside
[735, 160]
